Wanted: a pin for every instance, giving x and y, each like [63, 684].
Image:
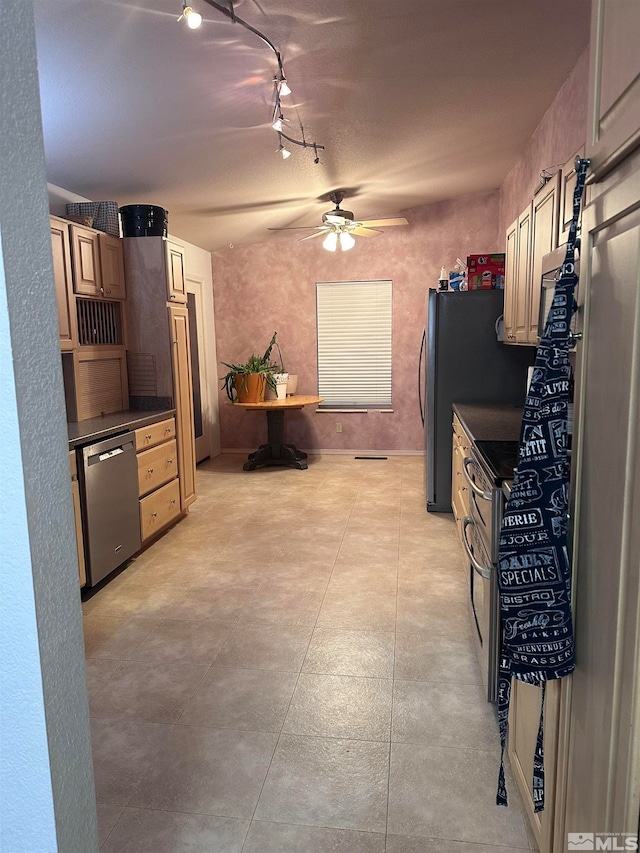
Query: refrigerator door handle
[422, 345]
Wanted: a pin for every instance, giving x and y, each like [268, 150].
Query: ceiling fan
[339, 226]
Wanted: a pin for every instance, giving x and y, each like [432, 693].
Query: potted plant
[247, 382]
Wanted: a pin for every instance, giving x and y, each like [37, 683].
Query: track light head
[193, 18]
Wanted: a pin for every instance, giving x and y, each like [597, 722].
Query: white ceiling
[415, 101]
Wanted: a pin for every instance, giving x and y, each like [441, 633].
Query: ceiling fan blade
[296, 228]
[396, 220]
[335, 220]
[364, 232]
[317, 234]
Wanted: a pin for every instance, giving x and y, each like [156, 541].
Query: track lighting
[346, 241]
[283, 86]
[193, 18]
[280, 86]
[330, 242]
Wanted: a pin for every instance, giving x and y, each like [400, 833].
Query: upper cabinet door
[175, 272]
[523, 277]
[510, 283]
[613, 126]
[544, 239]
[61, 250]
[86, 261]
[112, 267]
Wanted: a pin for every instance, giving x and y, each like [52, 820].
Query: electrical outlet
[338, 427]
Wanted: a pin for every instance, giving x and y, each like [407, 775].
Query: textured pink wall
[561, 132]
[271, 286]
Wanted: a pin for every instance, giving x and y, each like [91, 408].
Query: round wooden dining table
[276, 451]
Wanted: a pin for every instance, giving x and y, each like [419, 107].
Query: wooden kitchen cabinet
[181, 357]
[158, 346]
[75, 491]
[111, 267]
[613, 121]
[63, 280]
[544, 239]
[524, 718]
[85, 252]
[158, 483]
[533, 235]
[176, 282]
[459, 488]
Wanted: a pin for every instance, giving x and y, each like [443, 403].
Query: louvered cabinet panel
[101, 383]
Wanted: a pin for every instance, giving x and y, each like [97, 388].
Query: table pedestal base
[276, 452]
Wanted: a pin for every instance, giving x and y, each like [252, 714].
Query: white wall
[47, 799]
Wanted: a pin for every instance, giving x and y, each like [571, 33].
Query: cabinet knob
[169, 461]
[172, 501]
[154, 515]
[147, 437]
[168, 429]
[149, 470]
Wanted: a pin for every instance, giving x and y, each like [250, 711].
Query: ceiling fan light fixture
[330, 242]
[346, 241]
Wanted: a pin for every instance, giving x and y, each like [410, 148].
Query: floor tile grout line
[286, 713]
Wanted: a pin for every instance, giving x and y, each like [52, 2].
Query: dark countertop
[491, 421]
[94, 429]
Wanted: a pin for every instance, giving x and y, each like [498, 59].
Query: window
[354, 344]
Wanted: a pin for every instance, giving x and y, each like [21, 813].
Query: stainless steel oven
[481, 534]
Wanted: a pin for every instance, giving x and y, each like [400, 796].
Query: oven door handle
[468, 460]
[483, 571]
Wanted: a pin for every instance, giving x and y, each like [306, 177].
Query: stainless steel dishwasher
[109, 488]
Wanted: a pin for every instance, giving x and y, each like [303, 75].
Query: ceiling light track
[281, 86]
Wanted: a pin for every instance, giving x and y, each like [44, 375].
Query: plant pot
[250, 387]
[292, 383]
[281, 387]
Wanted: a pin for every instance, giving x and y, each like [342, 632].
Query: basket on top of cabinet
[158, 482]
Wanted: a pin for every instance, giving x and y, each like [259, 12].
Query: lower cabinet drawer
[156, 467]
[159, 508]
[156, 433]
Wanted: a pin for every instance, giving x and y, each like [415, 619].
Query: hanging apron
[533, 564]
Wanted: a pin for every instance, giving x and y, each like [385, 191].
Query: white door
[201, 401]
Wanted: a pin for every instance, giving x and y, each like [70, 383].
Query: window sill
[352, 411]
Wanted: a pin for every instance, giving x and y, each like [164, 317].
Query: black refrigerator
[462, 361]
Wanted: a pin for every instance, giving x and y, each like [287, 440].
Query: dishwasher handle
[110, 448]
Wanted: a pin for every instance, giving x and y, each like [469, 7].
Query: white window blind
[354, 344]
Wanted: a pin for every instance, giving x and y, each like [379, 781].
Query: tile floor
[291, 670]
